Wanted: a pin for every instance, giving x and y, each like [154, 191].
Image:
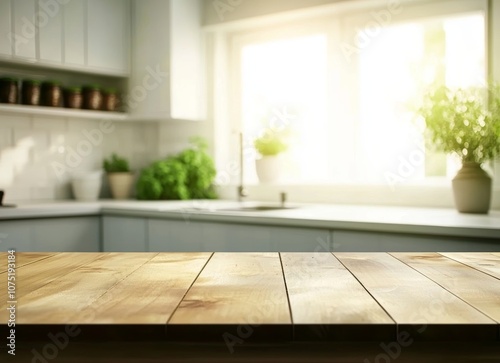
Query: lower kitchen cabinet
[72, 234]
[351, 241]
[191, 236]
[124, 234]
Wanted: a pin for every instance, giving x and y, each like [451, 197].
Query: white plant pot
[269, 169]
[87, 186]
[121, 184]
[472, 189]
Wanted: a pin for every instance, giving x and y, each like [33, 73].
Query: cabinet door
[17, 235]
[167, 78]
[175, 236]
[286, 239]
[228, 237]
[6, 35]
[107, 34]
[74, 33]
[50, 24]
[149, 93]
[345, 241]
[25, 28]
[192, 236]
[123, 234]
[76, 234]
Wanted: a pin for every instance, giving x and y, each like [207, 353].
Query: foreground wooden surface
[279, 297]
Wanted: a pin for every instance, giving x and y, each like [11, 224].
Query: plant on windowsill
[270, 145]
[466, 122]
[120, 177]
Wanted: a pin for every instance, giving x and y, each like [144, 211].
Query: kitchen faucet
[242, 191]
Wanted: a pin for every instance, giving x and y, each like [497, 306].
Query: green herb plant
[116, 164]
[270, 143]
[186, 175]
[464, 121]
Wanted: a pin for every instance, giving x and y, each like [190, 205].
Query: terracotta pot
[269, 169]
[472, 189]
[121, 184]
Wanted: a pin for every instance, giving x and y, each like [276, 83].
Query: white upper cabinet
[25, 28]
[50, 16]
[166, 69]
[90, 36]
[74, 33]
[108, 34]
[5, 28]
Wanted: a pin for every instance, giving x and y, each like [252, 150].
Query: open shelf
[62, 112]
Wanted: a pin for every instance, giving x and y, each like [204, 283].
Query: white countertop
[346, 217]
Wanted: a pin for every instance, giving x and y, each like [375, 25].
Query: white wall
[224, 11]
[38, 154]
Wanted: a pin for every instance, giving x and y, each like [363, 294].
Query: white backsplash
[38, 154]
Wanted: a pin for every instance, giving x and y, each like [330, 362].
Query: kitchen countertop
[286, 296]
[249, 307]
[428, 221]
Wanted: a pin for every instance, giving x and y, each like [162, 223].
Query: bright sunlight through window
[289, 84]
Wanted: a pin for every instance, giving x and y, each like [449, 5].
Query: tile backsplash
[39, 154]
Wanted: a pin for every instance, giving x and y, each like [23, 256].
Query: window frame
[339, 26]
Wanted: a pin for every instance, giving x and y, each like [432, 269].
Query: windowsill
[427, 195]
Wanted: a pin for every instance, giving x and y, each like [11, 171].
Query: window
[344, 89]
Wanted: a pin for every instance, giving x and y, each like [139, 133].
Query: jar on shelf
[73, 97]
[110, 99]
[8, 90]
[51, 94]
[30, 92]
[92, 97]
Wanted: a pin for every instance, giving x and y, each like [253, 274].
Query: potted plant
[189, 174]
[119, 176]
[466, 122]
[269, 145]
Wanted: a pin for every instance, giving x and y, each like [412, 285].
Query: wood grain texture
[34, 272]
[328, 303]
[150, 294]
[476, 288]
[322, 291]
[71, 292]
[406, 295]
[486, 262]
[237, 288]
[22, 259]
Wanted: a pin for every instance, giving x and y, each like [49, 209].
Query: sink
[257, 208]
[251, 208]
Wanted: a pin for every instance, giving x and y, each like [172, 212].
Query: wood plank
[24, 258]
[323, 294]
[234, 289]
[478, 289]
[41, 272]
[71, 292]
[418, 305]
[149, 295]
[36, 273]
[486, 262]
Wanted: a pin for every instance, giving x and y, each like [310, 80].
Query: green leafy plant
[116, 164]
[270, 143]
[187, 175]
[464, 121]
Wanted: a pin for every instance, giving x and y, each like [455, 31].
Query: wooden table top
[298, 296]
